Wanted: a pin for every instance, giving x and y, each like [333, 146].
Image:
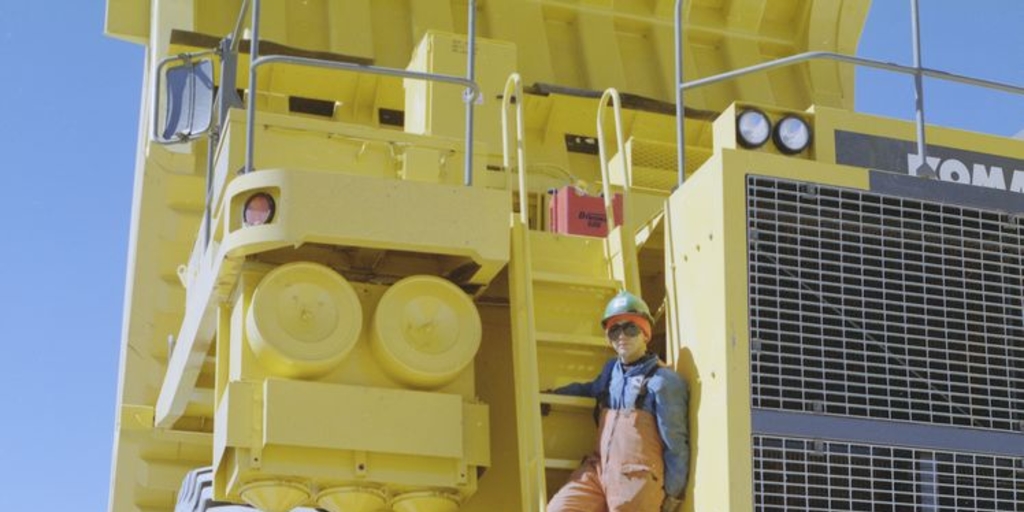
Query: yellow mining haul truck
[368, 233]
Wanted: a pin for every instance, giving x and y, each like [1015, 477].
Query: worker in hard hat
[642, 458]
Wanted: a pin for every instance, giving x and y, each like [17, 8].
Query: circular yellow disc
[303, 320]
[426, 331]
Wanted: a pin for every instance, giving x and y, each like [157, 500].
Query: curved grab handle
[609, 209]
[514, 92]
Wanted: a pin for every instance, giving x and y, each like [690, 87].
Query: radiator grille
[797, 474]
[875, 306]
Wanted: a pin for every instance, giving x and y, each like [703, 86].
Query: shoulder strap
[642, 394]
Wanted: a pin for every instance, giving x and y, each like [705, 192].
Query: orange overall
[624, 474]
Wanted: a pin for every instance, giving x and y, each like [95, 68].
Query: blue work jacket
[667, 399]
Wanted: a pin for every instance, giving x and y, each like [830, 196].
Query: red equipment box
[573, 213]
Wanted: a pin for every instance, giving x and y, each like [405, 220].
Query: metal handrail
[917, 71]
[680, 109]
[515, 82]
[915, 24]
[850, 59]
[236, 34]
[473, 92]
[343, 66]
[609, 207]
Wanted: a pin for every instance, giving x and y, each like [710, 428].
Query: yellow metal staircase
[560, 283]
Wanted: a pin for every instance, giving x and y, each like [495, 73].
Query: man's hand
[671, 504]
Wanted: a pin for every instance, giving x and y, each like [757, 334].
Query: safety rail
[256, 62]
[515, 82]
[916, 70]
[343, 66]
[627, 242]
[609, 208]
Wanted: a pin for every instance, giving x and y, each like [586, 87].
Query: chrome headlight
[792, 135]
[753, 128]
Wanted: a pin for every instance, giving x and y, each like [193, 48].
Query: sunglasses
[630, 329]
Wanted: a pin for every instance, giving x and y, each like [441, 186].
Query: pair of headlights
[791, 134]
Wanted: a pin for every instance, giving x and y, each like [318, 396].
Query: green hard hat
[626, 303]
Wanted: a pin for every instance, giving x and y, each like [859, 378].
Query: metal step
[576, 280]
[566, 402]
[576, 340]
[563, 464]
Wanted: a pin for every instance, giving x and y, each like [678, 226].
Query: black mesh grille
[884, 307]
[797, 474]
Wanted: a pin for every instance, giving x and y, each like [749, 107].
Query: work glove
[671, 504]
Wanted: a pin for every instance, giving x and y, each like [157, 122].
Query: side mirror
[189, 94]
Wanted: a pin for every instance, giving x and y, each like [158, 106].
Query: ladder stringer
[525, 369]
[621, 243]
[647, 229]
[621, 251]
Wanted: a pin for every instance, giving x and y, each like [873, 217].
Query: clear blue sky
[69, 102]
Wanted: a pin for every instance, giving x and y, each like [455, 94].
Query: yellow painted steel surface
[303, 321]
[707, 251]
[386, 340]
[426, 331]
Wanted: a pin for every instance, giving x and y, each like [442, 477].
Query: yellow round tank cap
[303, 320]
[426, 331]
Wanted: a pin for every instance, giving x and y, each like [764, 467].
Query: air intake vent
[866, 305]
[797, 474]
[322, 108]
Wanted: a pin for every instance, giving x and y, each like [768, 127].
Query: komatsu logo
[977, 174]
[950, 164]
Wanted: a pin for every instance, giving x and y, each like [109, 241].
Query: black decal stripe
[862, 150]
[949, 193]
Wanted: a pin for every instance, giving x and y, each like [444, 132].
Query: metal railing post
[470, 99]
[680, 109]
[250, 107]
[236, 33]
[923, 170]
